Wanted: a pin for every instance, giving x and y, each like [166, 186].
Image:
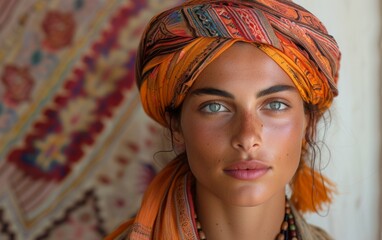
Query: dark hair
[312, 148]
[173, 117]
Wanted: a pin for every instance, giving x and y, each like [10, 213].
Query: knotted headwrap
[179, 43]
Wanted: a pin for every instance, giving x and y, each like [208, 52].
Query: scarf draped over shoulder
[172, 216]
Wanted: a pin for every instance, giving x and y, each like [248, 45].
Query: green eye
[276, 106]
[214, 108]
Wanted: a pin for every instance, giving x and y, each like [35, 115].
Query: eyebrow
[212, 91]
[222, 93]
[275, 89]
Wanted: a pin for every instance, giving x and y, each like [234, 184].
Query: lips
[247, 170]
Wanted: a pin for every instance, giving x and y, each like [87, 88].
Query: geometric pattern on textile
[81, 221]
[76, 149]
[5, 232]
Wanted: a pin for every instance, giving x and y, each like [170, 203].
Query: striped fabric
[179, 43]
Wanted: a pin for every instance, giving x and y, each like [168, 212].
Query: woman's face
[242, 125]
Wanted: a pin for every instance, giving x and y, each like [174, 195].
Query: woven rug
[76, 149]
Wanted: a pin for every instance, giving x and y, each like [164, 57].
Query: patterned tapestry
[76, 149]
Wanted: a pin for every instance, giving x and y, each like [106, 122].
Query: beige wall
[380, 125]
[354, 134]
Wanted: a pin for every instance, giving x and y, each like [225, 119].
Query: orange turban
[179, 43]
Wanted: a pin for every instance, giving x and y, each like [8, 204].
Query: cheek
[285, 139]
[200, 141]
[284, 145]
[201, 133]
[292, 127]
[200, 153]
[204, 145]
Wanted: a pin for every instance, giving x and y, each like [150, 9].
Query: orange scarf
[167, 210]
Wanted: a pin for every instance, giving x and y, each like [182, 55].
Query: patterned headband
[179, 43]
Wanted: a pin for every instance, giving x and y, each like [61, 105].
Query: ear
[175, 128]
[306, 122]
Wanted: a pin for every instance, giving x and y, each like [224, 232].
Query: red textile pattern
[70, 119]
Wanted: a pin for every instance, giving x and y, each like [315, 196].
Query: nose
[246, 132]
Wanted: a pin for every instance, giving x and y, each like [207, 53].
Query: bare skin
[242, 126]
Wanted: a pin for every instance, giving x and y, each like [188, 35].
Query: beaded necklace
[288, 229]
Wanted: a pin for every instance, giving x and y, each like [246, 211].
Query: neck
[222, 220]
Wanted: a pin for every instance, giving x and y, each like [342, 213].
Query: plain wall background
[354, 133]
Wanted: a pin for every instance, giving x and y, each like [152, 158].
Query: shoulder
[319, 233]
[308, 231]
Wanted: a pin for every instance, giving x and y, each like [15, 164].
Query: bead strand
[202, 235]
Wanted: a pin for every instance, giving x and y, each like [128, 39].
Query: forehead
[242, 63]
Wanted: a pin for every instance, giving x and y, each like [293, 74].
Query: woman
[241, 86]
